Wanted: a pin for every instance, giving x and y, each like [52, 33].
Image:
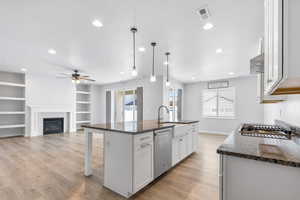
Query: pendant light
[134, 71]
[168, 81]
[153, 77]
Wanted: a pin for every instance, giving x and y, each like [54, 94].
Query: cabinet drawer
[144, 138]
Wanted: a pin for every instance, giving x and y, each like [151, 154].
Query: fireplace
[53, 125]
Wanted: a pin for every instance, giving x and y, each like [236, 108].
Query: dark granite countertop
[287, 152]
[135, 127]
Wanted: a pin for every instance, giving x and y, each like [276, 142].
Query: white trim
[214, 132]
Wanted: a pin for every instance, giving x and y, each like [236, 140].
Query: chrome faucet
[160, 107]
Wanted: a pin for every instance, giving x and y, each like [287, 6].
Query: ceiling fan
[76, 77]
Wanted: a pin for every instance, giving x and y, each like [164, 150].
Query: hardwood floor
[51, 168]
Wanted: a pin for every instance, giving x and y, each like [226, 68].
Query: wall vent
[204, 13]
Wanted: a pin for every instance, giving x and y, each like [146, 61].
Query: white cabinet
[179, 149]
[281, 63]
[189, 143]
[143, 161]
[128, 161]
[185, 142]
[273, 44]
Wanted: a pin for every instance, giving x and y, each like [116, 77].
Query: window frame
[217, 116]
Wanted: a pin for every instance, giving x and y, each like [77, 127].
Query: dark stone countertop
[250, 148]
[136, 127]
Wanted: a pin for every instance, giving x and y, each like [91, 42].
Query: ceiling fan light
[152, 78]
[77, 81]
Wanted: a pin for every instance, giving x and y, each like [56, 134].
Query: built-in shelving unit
[83, 98]
[12, 104]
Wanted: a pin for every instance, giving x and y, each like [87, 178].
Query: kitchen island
[136, 153]
[259, 168]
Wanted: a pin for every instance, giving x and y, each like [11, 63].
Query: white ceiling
[30, 27]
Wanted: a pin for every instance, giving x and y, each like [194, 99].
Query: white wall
[96, 104]
[247, 107]
[48, 90]
[288, 111]
[153, 95]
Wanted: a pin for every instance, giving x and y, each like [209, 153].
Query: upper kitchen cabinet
[281, 69]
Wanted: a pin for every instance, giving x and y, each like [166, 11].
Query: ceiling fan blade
[86, 79]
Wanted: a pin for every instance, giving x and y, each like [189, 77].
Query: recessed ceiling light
[122, 73]
[231, 73]
[193, 77]
[97, 23]
[208, 26]
[52, 51]
[165, 63]
[23, 69]
[142, 49]
[219, 50]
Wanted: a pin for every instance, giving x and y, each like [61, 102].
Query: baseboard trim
[214, 132]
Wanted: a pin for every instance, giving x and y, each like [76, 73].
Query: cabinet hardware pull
[144, 138]
[144, 145]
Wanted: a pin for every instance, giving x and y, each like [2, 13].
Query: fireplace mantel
[37, 112]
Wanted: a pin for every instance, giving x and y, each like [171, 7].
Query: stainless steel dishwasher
[162, 151]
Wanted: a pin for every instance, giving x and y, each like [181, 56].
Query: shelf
[12, 126]
[12, 84]
[82, 122]
[82, 92]
[83, 102]
[12, 113]
[83, 112]
[12, 98]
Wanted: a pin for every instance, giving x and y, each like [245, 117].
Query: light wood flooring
[51, 168]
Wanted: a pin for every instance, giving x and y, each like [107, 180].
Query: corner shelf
[83, 102]
[12, 84]
[12, 98]
[82, 92]
[12, 126]
[12, 104]
[12, 113]
[83, 122]
[83, 105]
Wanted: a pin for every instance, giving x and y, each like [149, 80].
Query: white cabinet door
[175, 151]
[182, 147]
[143, 165]
[273, 68]
[189, 143]
[195, 137]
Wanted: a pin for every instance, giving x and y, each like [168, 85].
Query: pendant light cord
[133, 30]
[153, 44]
[167, 54]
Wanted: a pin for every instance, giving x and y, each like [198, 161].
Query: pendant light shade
[134, 71]
[153, 77]
[167, 62]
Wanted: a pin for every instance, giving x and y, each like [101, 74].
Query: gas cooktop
[266, 131]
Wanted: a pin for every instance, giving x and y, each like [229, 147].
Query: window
[174, 104]
[219, 103]
[125, 106]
